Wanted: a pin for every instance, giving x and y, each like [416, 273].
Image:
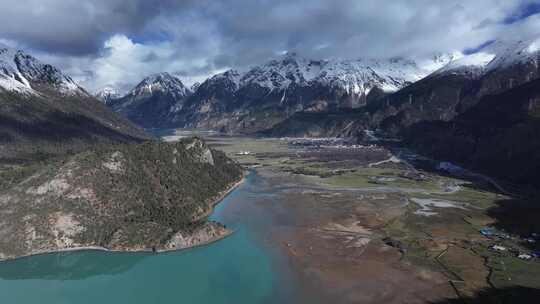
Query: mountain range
[234, 101]
[431, 105]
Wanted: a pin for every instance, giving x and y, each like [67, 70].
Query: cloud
[117, 42]
[123, 63]
[78, 27]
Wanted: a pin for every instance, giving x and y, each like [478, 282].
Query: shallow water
[242, 268]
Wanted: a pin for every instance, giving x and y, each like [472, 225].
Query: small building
[524, 256]
[498, 248]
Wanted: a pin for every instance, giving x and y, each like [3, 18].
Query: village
[513, 245]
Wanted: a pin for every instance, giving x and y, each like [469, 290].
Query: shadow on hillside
[518, 217]
[58, 127]
[510, 295]
[517, 209]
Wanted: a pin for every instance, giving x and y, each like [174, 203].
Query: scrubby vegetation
[120, 196]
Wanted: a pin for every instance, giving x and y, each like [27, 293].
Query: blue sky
[523, 11]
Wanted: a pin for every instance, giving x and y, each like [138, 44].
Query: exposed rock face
[151, 103]
[205, 234]
[146, 196]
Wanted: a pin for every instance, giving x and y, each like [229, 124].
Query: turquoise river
[242, 268]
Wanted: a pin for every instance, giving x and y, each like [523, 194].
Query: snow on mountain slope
[355, 76]
[10, 77]
[509, 53]
[291, 83]
[499, 55]
[107, 94]
[21, 72]
[160, 83]
[151, 102]
[473, 64]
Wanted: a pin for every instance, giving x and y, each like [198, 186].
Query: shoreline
[215, 202]
[117, 251]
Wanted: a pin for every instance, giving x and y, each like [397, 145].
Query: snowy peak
[11, 78]
[162, 83]
[473, 65]
[508, 53]
[228, 81]
[151, 103]
[496, 56]
[355, 76]
[20, 72]
[107, 94]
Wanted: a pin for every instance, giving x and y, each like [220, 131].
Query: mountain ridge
[152, 100]
[236, 101]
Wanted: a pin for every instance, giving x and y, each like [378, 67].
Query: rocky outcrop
[204, 234]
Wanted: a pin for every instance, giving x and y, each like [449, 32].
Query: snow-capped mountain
[42, 106]
[291, 83]
[160, 83]
[473, 65]
[22, 73]
[107, 94]
[151, 101]
[355, 76]
[497, 56]
[462, 83]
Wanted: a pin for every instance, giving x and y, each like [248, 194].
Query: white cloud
[123, 63]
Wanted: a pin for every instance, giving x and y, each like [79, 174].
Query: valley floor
[366, 224]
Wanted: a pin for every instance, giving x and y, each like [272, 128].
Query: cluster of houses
[500, 236]
[318, 143]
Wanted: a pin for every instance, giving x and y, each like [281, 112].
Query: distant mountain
[459, 85]
[153, 100]
[269, 93]
[43, 109]
[107, 94]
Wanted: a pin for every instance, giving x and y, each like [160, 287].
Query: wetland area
[318, 221]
